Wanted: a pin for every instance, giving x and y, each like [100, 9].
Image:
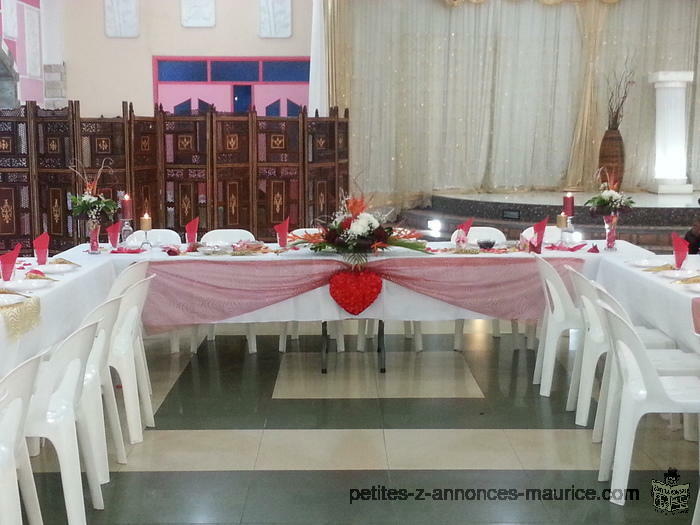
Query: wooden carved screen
[144, 166]
[15, 181]
[233, 172]
[321, 173]
[279, 174]
[55, 181]
[187, 170]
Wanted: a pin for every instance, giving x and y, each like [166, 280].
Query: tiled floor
[266, 438]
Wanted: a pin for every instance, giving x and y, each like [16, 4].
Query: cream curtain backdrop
[488, 96]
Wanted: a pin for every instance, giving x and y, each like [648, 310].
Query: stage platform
[648, 224]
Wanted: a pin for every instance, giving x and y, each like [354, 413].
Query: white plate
[57, 268]
[678, 274]
[645, 263]
[27, 285]
[8, 299]
[694, 288]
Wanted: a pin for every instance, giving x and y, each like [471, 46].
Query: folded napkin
[282, 230]
[113, 233]
[41, 248]
[466, 226]
[594, 249]
[7, 262]
[191, 230]
[661, 268]
[563, 248]
[61, 260]
[680, 249]
[690, 280]
[538, 237]
[122, 249]
[37, 274]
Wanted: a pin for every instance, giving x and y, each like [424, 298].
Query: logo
[669, 497]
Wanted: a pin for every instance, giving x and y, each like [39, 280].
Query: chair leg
[549, 360]
[27, 486]
[112, 415]
[361, 334]
[690, 427]
[295, 330]
[496, 328]
[174, 342]
[537, 376]
[211, 332]
[194, 339]
[609, 437]
[34, 446]
[10, 506]
[530, 336]
[282, 345]
[624, 445]
[585, 384]
[418, 336]
[407, 332]
[66, 446]
[251, 338]
[127, 376]
[599, 423]
[143, 383]
[575, 382]
[91, 431]
[459, 335]
[371, 328]
[339, 330]
[89, 452]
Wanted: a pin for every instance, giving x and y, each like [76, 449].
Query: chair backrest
[631, 356]
[552, 234]
[15, 391]
[477, 233]
[557, 295]
[613, 303]
[129, 275]
[105, 315]
[227, 236]
[62, 372]
[588, 298]
[155, 237]
[129, 320]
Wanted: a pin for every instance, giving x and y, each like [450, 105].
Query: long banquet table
[193, 290]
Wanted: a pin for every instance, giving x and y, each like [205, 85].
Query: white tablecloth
[651, 299]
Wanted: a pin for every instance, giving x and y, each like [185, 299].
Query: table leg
[324, 347]
[381, 351]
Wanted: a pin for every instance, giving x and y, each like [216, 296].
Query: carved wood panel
[145, 151]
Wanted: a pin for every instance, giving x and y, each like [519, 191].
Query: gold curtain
[339, 52]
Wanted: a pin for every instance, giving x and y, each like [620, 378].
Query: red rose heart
[355, 291]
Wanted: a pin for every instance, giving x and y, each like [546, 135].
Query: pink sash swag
[201, 292]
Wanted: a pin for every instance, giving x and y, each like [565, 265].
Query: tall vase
[612, 158]
[610, 230]
[93, 228]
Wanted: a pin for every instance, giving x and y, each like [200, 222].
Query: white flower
[610, 195]
[363, 225]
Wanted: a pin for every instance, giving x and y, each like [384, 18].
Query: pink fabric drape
[696, 314]
[201, 292]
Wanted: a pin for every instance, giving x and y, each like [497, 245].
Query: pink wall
[266, 94]
[31, 83]
[172, 94]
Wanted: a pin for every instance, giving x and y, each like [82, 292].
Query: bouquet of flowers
[354, 232]
[609, 202]
[94, 208]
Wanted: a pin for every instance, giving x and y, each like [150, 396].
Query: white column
[671, 129]
[318, 76]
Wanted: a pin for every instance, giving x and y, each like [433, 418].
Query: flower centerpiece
[92, 206]
[355, 232]
[609, 204]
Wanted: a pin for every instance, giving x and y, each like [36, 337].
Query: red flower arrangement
[355, 291]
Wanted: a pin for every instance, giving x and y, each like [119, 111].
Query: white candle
[146, 222]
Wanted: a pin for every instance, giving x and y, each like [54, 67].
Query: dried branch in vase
[618, 87]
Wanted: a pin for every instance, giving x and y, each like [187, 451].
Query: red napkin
[113, 233]
[680, 249]
[191, 230]
[121, 249]
[562, 248]
[466, 226]
[538, 237]
[282, 230]
[7, 262]
[594, 249]
[41, 248]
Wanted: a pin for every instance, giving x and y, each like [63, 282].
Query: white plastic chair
[52, 415]
[475, 234]
[596, 344]
[636, 389]
[15, 391]
[226, 236]
[126, 356]
[160, 237]
[552, 234]
[98, 383]
[560, 315]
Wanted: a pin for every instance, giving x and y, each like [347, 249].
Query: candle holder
[146, 242]
[126, 230]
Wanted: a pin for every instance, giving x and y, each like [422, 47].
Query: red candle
[127, 208]
[568, 205]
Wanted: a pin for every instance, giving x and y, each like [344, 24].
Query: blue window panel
[182, 71]
[203, 106]
[273, 110]
[293, 109]
[243, 71]
[242, 98]
[286, 71]
[183, 108]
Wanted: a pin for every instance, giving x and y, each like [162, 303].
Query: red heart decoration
[355, 291]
